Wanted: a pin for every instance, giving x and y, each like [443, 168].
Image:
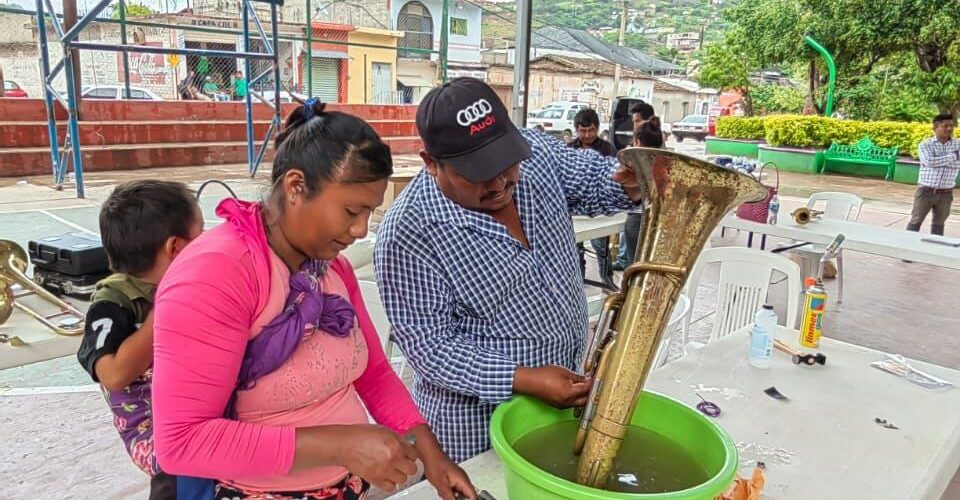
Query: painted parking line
[68, 223]
[34, 391]
[52, 209]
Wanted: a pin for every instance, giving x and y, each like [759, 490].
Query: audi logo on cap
[474, 112]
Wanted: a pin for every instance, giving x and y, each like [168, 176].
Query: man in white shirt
[939, 167]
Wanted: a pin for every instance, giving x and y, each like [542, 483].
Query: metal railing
[184, 56]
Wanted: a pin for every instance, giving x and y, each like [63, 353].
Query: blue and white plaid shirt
[939, 164]
[468, 303]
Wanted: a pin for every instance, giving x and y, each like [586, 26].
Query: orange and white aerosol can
[814, 305]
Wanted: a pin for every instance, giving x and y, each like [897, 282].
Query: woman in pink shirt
[266, 362]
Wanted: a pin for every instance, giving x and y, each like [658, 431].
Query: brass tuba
[687, 198]
[13, 266]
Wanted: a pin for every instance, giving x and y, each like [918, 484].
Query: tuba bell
[13, 268]
[687, 199]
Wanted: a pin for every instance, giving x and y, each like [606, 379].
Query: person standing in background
[642, 113]
[587, 124]
[939, 167]
[238, 86]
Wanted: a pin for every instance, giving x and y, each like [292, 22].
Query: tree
[864, 36]
[771, 98]
[727, 66]
[133, 10]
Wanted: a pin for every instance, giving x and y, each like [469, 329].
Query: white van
[557, 118]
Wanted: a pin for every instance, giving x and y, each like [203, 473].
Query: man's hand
[554, 385]
[627, 178]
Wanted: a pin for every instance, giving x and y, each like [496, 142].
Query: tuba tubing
[687, 199]
[13, 266]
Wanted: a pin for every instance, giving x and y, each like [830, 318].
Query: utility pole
[618, 69]
[521, 62]
[444, 42]
[69, 19]
[309, 92]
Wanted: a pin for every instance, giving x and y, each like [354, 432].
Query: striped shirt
[939, 163]
[468, 303]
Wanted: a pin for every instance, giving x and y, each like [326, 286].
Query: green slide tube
[831, 67]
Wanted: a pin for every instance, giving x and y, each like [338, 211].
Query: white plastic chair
[681, 310]
[371, 298]
[838, 206]
[745, 275]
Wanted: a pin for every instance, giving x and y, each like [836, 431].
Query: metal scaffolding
[70, 40]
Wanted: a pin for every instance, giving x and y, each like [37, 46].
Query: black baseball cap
[464, 124]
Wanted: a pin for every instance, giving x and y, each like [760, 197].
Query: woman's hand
[372, 452]
[447, 477]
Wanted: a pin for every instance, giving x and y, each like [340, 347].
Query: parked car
[695, 126]
[11, 89]
[557, 118]
[115, 92]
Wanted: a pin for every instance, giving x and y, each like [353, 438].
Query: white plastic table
[827, 429]
[878, 240]
[586, 228]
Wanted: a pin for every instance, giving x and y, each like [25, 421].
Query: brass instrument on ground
[687, 199]
[804, 215]
[13, 266]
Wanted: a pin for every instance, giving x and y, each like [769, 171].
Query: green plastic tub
[685, 426]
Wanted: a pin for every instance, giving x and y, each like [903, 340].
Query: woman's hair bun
[313, 107]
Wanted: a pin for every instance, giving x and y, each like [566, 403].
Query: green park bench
[864, 152]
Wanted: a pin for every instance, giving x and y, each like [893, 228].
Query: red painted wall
[145, 134]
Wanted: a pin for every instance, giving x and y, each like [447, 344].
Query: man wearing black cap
[477, 265]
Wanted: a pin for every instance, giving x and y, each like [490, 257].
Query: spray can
[814, 305]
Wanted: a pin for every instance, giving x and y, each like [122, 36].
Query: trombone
[68, 321]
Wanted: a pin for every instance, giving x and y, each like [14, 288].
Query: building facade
[557, 78]
[373, 66]
[420, 21]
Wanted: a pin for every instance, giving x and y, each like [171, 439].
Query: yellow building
[373, 66]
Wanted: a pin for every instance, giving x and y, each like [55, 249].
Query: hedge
[751, 129]
[800, 131]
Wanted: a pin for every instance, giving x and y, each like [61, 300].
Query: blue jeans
[629, 239]
[601, 248]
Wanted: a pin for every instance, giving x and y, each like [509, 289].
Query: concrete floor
[55, 431]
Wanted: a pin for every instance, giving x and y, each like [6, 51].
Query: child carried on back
[143, 226]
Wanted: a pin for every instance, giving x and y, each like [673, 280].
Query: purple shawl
[307, 307]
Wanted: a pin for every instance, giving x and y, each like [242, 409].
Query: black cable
[790, 247]
[215, 181]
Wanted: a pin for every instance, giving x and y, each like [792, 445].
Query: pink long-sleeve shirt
[216, 296]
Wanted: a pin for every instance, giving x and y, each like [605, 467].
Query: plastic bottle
[773, 210]
[761, 341]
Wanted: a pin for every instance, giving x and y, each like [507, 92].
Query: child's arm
[131, 360]
[113, 351]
